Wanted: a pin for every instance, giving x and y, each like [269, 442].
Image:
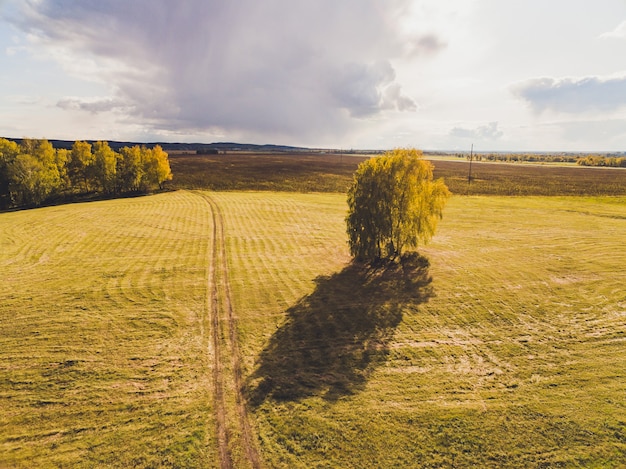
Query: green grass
[506, 349]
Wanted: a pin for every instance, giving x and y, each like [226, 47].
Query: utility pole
[469, 176]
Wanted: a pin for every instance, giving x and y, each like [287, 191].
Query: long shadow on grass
[333, 338]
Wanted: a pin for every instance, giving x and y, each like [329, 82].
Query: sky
[515, 75]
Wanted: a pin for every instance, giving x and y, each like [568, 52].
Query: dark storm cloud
[276, 67]
[573, 95]
[364, 90]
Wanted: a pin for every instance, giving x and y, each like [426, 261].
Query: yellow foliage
[393, 204]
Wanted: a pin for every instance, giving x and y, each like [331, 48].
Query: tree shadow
[333, 338]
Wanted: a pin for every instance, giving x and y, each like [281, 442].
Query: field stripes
[229, 329]
[278, 244]
[101, 312]
[525, 325]
[128, 312]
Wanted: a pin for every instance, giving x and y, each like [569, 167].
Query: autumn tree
[62, 157]
[142, 169]
[105, 167]
[36, 172]
[129, 169]
[393, 205]
[156, 167]
[80, 166]
[8, 152]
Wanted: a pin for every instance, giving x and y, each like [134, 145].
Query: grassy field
[103, 330]
[502, 347]
[507, 351]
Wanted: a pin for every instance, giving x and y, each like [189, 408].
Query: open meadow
[229, 329]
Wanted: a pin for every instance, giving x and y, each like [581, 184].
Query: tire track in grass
[222, 291]
[218, 379]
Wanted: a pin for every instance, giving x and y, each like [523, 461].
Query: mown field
[103, 335]
[131, 332]
[507, 351]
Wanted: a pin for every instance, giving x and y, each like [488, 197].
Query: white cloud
[94, 105]
[277, 68]
[488, 131]
[573, 95]
[618, 33]
[427, 44]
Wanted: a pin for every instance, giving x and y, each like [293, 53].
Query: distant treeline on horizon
[608, 160]
[182, 147]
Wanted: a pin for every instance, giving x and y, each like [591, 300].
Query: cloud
[364, 90]
[618, 33]
[427, 44]
[274, 68]
[94, 106]
[573, 95]
[488, 131]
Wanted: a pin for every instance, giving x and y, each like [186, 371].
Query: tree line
[34, 172]
[587, 160]
[521, 157]
[597, 160]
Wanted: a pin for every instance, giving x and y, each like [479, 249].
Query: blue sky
[504, 75]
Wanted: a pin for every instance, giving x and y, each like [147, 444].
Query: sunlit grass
[102, 359]
[507, 351]
[516, 361]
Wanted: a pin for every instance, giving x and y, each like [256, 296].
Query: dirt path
[233, 431]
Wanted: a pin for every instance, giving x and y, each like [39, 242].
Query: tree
[156, 167]
[36, 172]
[8, 152]
[63, 156]
[129, 169]
[80, 166]
[393, 204]
[105, 162]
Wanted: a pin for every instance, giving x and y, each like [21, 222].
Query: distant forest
[34, 172]
[614, 161]
[204, 148]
